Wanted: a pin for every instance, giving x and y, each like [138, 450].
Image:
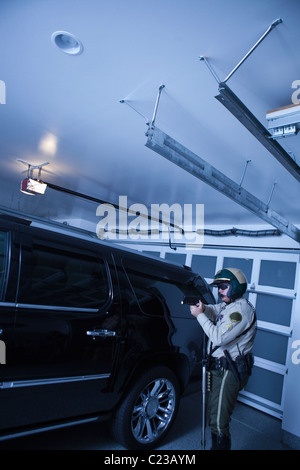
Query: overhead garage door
[272, 291]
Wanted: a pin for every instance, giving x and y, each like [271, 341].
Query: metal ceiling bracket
[271, 194]
[270, 28]
[31, 167]
[151, 124]
[209, 66]
[132, 107]
[176, 153]
[148, 121]
[244, 115]
[244, 172]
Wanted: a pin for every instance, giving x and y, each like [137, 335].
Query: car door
[67, 320]
[8, 288]
[3, 310]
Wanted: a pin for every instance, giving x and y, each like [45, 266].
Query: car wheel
[148, 411]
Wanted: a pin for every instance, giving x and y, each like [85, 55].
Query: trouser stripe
[220, 400]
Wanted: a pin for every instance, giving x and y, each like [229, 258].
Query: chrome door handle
[102, 333]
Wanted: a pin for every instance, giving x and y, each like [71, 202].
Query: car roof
[65, 233]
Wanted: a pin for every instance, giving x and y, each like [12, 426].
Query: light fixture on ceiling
[30, 185]
[67, 42]
[48, 144]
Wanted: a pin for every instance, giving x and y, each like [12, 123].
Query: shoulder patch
[235, 317]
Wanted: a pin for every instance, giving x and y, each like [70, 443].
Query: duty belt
[217, 363]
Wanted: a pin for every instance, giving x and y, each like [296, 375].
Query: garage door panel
[266, 384]
[277, 274]
[271, 346]
[274, 309]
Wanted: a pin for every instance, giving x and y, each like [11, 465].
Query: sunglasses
[223, 286]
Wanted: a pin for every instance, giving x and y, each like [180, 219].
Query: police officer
[230, 327]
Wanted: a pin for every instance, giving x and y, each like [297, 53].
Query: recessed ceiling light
[67, 42]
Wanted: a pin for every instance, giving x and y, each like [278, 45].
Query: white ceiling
[131, 48]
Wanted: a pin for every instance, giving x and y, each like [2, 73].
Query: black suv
[91, 331]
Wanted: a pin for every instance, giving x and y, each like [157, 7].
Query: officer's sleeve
[212, 311]
[226, 330]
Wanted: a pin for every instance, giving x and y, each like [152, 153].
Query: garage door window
[274, 309]
[271, 346]
[244, 264]
[277, 274]
[204, 265]
[56, 278]
[266, 384]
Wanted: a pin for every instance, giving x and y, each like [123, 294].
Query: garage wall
[291, 415]
[273, 280]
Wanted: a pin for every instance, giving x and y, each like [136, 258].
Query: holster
[241, 367]
[244, 364]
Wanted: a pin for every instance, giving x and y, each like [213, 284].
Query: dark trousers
[222, 399]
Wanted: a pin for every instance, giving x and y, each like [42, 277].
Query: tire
[148, 411]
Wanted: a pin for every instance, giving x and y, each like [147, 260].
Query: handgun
[190, 299]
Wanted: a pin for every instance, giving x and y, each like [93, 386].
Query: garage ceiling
[130, 48]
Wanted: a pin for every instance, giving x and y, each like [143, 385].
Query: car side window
[53, 277]
[148, 296]
[3, 260]
[154, 288]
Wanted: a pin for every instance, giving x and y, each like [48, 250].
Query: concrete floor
[250, 430]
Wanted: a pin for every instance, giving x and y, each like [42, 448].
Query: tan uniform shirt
[223, 323]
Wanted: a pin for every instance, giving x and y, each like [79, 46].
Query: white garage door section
[272, 281]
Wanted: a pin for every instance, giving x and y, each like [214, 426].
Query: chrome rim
[153, 410]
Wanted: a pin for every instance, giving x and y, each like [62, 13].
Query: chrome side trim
[56, 307]
[102, 333]
[7, 304]
[46, 428]
[58, 380]
[48, 307]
